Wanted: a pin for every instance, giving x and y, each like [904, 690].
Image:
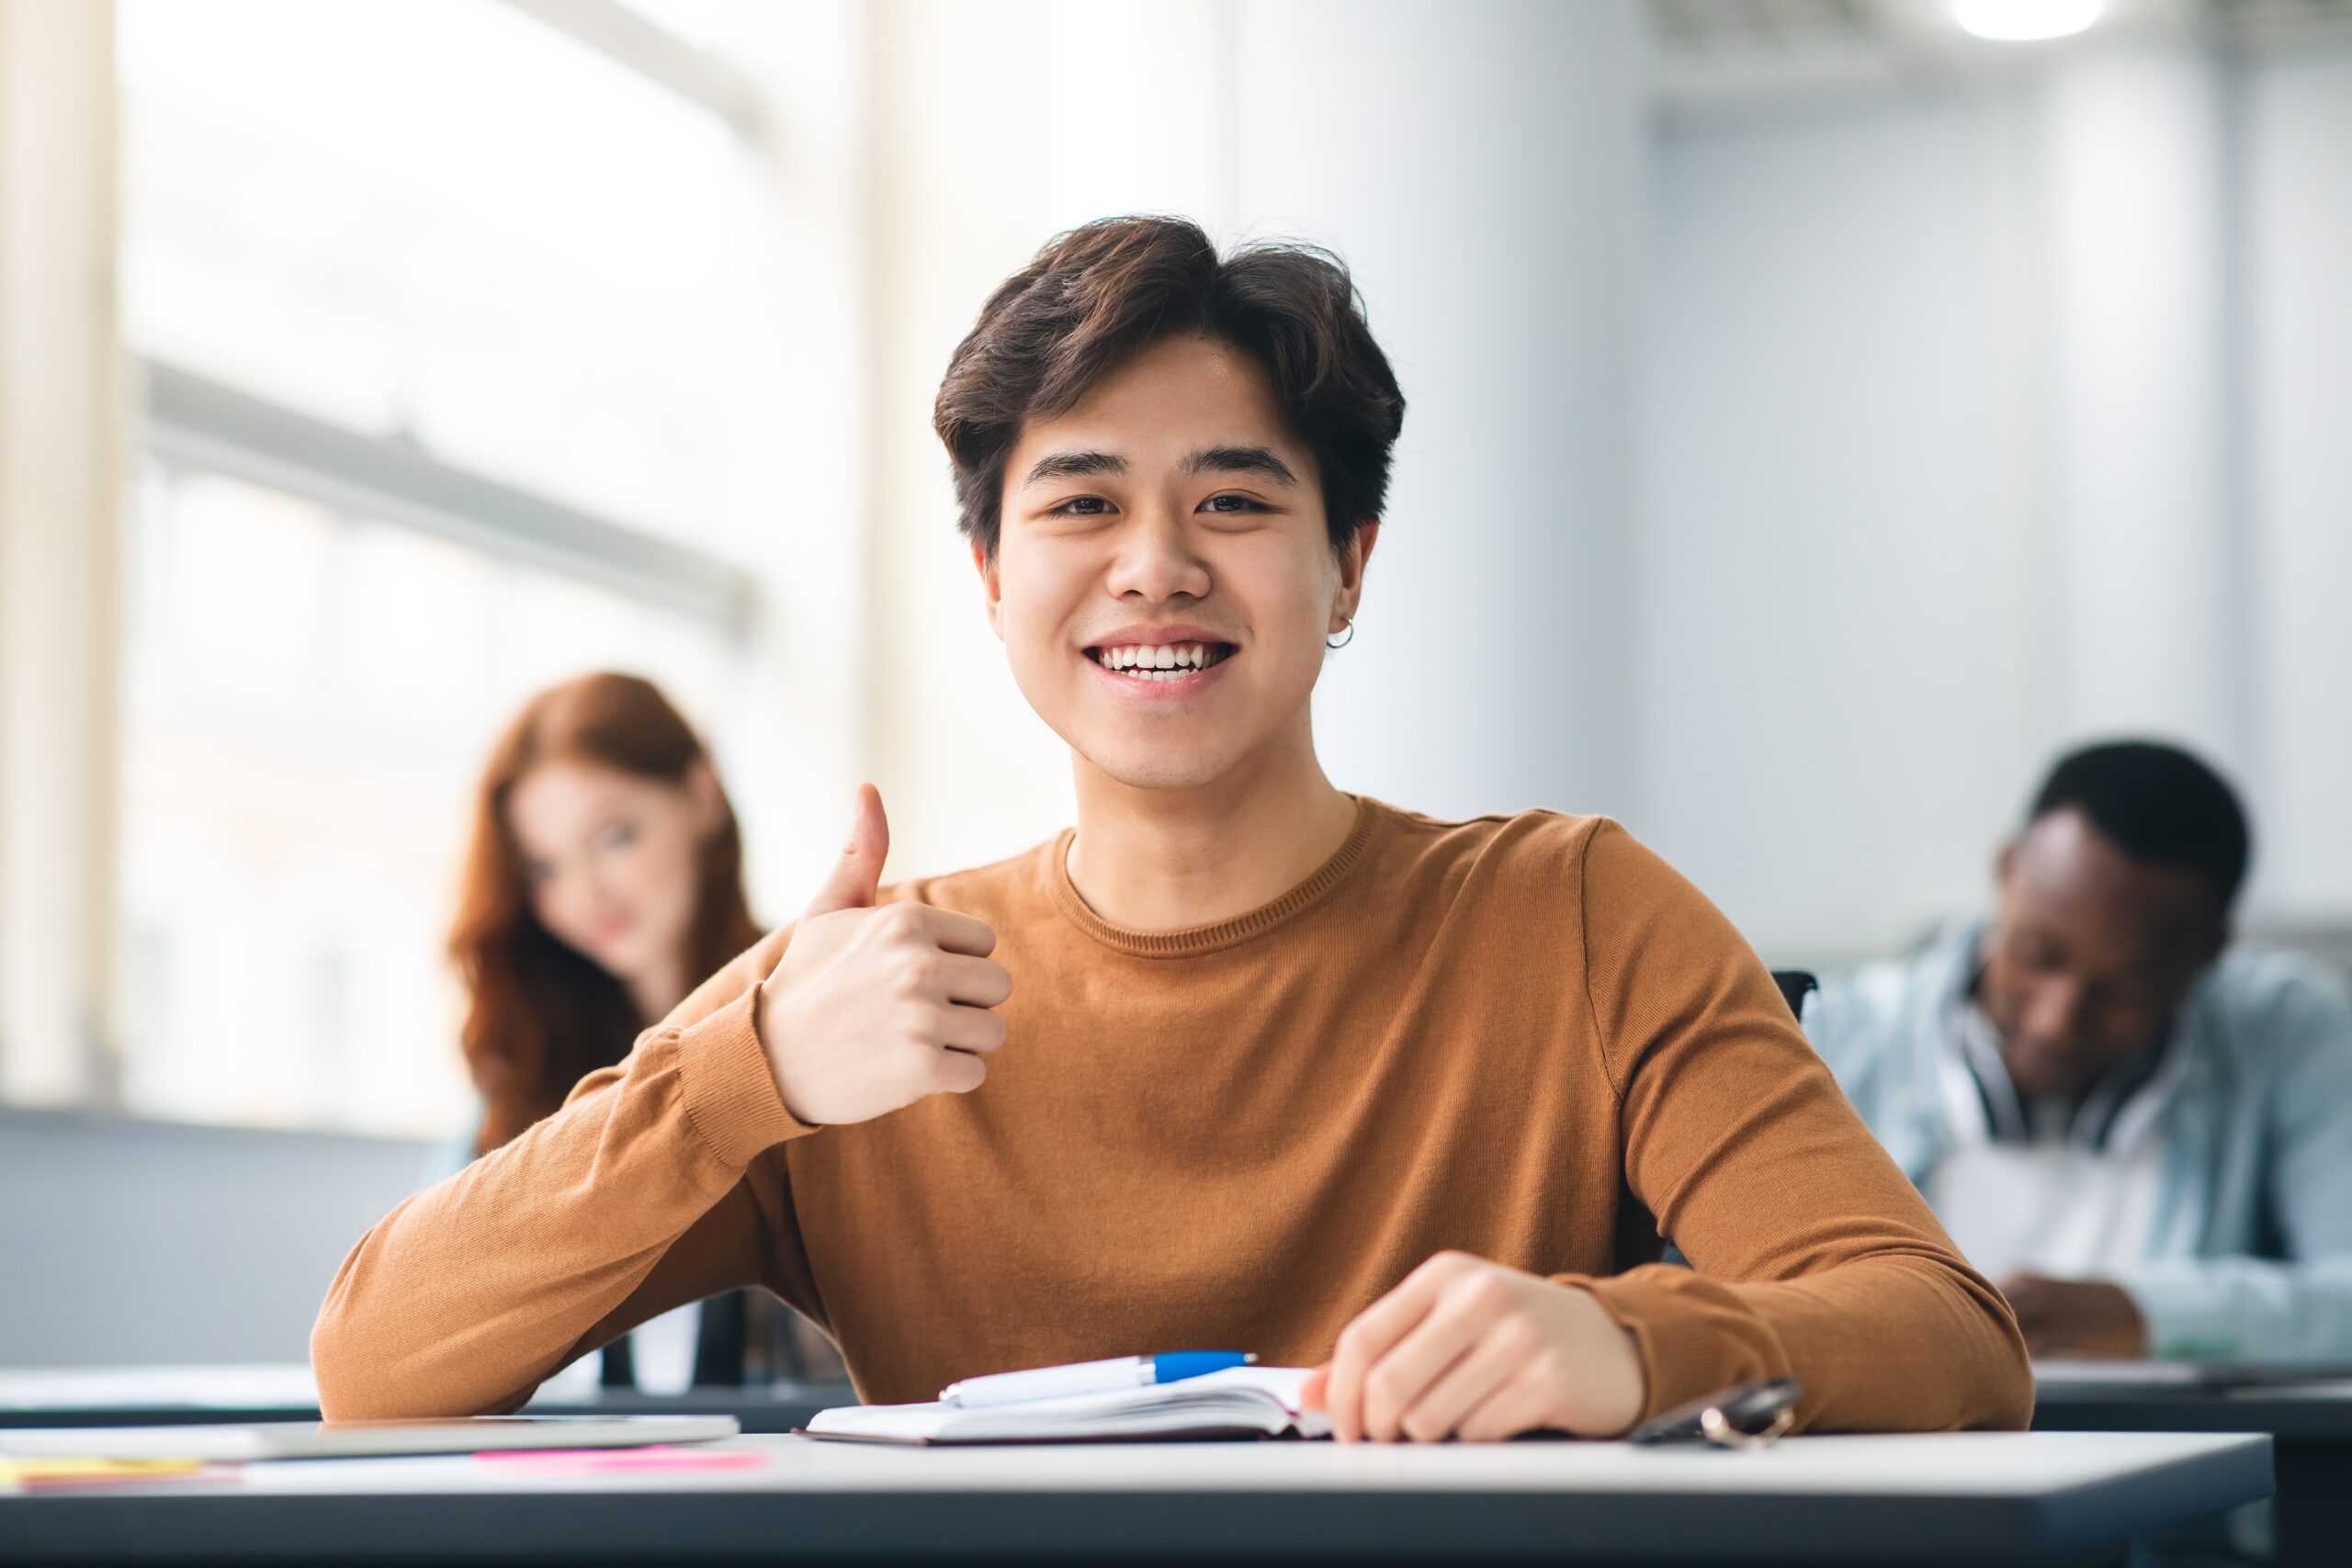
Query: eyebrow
[1070, 465]
[1240, 460]
[1208, 460]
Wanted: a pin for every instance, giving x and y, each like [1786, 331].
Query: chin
[622, 963]
[2051, 1082]
[1149, 768]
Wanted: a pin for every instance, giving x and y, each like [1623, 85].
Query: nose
[595, 884]
[2055, 1014]
[1157, 561]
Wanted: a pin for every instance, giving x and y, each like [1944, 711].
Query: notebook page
[1241, 1398]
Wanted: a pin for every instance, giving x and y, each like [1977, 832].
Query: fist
[1470, 1349]
[873, 1009]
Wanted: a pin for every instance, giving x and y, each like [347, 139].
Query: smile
[1165, 661]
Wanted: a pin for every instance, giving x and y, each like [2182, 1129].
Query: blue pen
[1090, 1377]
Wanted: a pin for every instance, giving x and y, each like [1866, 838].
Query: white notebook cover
[1239, 1401]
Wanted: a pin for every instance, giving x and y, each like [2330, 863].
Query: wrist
[1616, 1383]
[729, 1088]
[771, 1037]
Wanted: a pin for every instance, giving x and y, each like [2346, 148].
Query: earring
[1347, 636]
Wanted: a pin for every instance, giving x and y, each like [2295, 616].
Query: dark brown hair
[541, 1016]
[1095, 295]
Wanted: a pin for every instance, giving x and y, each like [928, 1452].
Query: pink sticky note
[590, 1461]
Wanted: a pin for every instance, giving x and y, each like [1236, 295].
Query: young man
[1242, 1062]
[2144, 1134]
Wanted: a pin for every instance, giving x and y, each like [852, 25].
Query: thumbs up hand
[873, 1009]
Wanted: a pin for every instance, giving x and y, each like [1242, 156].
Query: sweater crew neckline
[1194, 940]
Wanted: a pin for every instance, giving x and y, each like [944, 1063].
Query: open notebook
[1243, 1402]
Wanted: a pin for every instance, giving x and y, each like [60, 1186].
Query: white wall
[1838, 612]
[1958, 449]
[2133, 230]
[2298, 318]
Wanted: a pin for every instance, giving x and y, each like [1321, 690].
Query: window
[437, 220]
[434, 301]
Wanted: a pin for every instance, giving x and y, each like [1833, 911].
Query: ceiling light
[2016, 20]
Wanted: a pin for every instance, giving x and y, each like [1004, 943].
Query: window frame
[195, 421]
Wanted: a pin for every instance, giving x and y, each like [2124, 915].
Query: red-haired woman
[604, 881]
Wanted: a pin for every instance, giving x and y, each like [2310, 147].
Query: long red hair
[540, 1014]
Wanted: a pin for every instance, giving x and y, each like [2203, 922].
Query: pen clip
[1729, 1418]
[1716, 1427]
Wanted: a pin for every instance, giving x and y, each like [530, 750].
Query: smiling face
[611, 861]
[1164, 580]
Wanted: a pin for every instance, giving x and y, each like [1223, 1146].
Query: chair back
[1794, 984]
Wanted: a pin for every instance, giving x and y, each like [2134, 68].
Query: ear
[992, 591]
[1352, 561]
[2003, 862]
[2224, 933]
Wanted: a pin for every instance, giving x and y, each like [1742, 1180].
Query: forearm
[2250, 1309]
[630, 1199]
[1890, 1341]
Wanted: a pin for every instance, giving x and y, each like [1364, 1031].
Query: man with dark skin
[2145, 1135]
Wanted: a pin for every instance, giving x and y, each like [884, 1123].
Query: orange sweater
[1523, 1037]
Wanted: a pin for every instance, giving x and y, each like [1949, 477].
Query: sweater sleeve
[647, 1191]
[1812, 1255]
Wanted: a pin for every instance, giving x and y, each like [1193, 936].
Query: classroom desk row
[2011, 1498]
[2106, 1466]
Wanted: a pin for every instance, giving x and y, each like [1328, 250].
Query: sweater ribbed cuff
[730, 1094]
[1681, 1350]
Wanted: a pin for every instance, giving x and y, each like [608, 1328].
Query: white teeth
[1160, 662]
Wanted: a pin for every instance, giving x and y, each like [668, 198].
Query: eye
[1081, 506]
[1232, 504]
[2035, 954]
[617, 836]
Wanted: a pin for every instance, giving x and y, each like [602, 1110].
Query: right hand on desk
[873, 1009]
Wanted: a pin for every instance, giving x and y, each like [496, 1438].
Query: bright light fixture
[2017, 20]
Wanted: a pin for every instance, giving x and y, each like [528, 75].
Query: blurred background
[1822, 412]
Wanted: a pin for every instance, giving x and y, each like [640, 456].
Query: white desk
[160, 1396]
[98, 1389]
[1973, 1496]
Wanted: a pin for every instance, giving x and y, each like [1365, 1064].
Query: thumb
[1315, 1392]
[858, 876]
